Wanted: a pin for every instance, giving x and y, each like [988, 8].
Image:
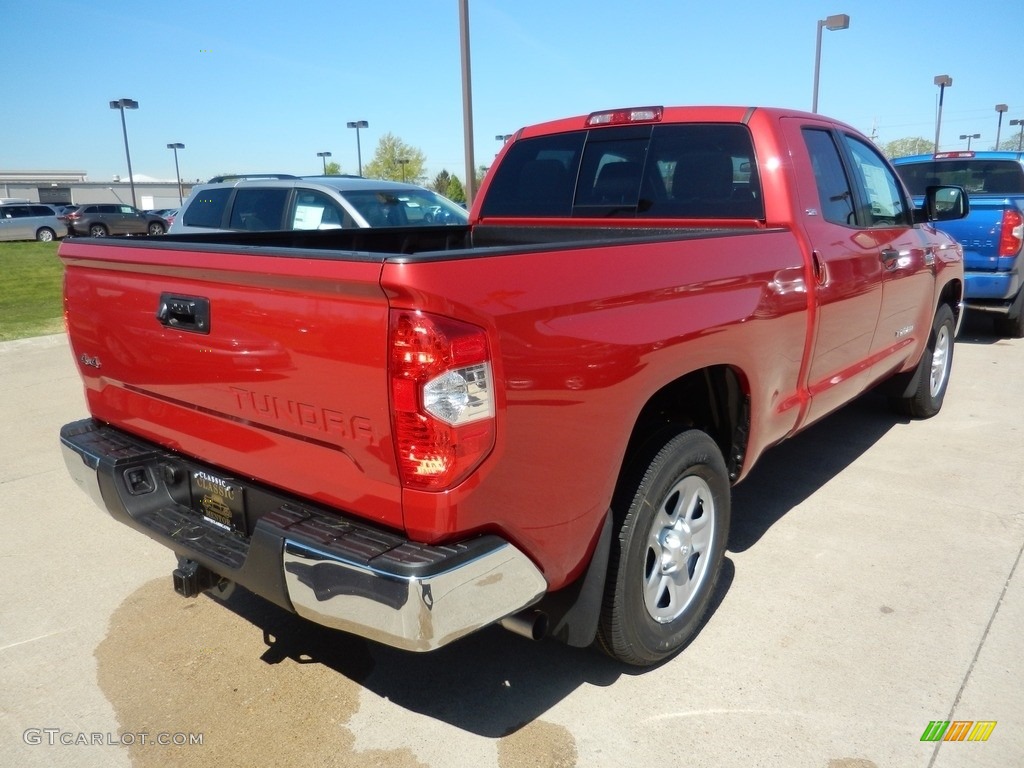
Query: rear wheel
[672, 512]
[933, 370]
[97, 230]
[45, 235]
[156, 228]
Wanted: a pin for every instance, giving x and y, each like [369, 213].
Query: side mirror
[946, 203]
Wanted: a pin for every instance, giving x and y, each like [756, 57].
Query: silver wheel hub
[940, 362]
[678, 549]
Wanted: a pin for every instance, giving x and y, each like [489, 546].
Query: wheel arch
[952, 293]
[715, 400]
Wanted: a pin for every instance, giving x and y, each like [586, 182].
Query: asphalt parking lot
[873, 584]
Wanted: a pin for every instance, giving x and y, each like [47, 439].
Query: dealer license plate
[220, 500]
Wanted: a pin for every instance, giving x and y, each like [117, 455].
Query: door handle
[890, 258]
[186, 313]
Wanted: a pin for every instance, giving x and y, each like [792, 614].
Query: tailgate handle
[186, 313]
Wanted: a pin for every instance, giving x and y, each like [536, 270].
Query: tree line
[920, 146]
[394, 160]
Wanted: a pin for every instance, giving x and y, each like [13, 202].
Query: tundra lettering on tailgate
[313, 418]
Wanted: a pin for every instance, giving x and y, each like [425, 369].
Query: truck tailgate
[270, 364]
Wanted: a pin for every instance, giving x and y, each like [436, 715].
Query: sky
[262, 86]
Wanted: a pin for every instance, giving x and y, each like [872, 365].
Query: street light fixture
[969, 136]
[831, 23]
[123, 104]
[1000, 108]
[503, 137]
[403, 161]
[942, 81]
[323, 156]
[1020, 138]
[177, 174]
[357, 124]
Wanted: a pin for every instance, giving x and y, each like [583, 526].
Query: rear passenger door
[258, 209]
[846, 269]
[906, 256]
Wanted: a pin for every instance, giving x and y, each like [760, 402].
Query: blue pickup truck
[991, 235]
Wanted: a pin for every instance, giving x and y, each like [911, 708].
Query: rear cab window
[701, 170]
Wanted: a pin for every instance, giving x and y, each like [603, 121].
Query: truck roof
[660, 114]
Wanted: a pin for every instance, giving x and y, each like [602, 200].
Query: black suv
[102, 219]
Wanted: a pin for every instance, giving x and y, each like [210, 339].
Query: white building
[61, 187]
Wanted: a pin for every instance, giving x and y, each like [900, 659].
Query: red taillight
[1012, 235]
[442, 398]
[74, 216]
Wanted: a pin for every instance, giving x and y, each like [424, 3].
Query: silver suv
[312, 202]
[30, 221]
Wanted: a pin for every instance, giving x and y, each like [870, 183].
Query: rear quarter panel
[581, 339]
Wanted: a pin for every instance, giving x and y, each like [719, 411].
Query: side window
[536, 178]
[108, 209]
[835, 197]
[315, 210]
[885, 206]
[207, 208]
[18, 212]
[41, 210]
[125, 209]
[257, 210]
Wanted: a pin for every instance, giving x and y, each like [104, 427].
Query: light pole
[1020, 138]
[403, 161]
[467, 101]
[123, 104]
[1000, 108]
[831, 23]
[323, 156]
[357, 124]
[177, 174]
[969, 136]
[942, 81]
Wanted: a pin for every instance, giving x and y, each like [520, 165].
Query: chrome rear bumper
[331, 569]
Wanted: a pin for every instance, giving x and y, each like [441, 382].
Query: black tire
[45, 235]
[932, 375]
[156, 228]
[97, 230]
[1012, 325]
[672, 514]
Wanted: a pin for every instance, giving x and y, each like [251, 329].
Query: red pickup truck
[535, 419]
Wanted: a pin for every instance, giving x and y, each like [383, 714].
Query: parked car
[30, 221]
[992, 235]
[320, 202]
[102, 219]
[169, 215]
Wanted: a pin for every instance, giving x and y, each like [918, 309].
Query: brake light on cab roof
[952, 155]
[625, 116]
